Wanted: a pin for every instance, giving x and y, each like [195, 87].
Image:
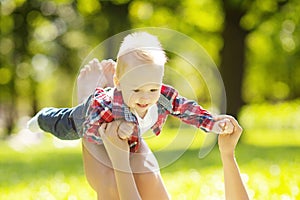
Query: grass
[43, 172]
[269, 163]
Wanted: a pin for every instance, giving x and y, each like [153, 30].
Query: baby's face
[140, 86]
[141, 98]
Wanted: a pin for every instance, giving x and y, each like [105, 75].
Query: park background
[255, 44]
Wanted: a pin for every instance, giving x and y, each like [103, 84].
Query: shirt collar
[119, 109]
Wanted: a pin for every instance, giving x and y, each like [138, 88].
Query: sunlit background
[255, 45]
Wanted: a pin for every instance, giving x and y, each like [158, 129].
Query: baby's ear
[117, 82]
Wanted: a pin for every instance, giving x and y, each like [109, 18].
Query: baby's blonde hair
[141, 46]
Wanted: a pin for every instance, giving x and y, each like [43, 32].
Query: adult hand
[117, 148]
[228, 142]
[222, 126]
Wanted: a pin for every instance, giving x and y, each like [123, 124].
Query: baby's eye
[153, 90]
[137, 90]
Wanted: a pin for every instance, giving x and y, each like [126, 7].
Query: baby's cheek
[156, 97]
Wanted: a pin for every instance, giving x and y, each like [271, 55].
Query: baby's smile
[142, 105]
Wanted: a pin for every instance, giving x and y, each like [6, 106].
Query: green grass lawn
[269, 163]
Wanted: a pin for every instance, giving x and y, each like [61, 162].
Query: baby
[139, 96]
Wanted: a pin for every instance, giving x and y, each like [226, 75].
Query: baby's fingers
[102, 129]
[125, 130]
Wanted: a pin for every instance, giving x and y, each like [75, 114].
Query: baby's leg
[94, 74]
[147, 174]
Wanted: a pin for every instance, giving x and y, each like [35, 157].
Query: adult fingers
[237, 127]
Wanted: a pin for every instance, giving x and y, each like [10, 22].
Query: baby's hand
[227, 126]
[125, 130]
[223, 126]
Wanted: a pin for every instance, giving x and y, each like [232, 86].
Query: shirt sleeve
[98, 112]
[190, 112]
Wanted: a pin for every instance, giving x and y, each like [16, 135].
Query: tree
[233, 54]
[48, 36]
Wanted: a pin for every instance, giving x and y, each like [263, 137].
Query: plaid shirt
[108, 105]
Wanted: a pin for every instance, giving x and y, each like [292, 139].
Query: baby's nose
[145, 95]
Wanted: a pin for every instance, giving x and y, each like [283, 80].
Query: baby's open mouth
[142, 105]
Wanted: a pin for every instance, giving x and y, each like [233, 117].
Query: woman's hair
[141, 46]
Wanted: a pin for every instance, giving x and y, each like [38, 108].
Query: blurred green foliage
[279, 116]
[43, 45]
[44, 42]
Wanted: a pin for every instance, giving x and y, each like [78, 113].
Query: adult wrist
[227, 155]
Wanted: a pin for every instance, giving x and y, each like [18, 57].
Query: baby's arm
[192, 113]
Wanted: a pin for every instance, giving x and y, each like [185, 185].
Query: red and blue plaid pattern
[108, 105]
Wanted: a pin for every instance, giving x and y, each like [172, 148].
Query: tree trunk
[233, 58]
[117, 17]
[119, 21]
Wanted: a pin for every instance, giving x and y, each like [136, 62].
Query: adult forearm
[125, 182]
[118, 152]
[234, 186]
